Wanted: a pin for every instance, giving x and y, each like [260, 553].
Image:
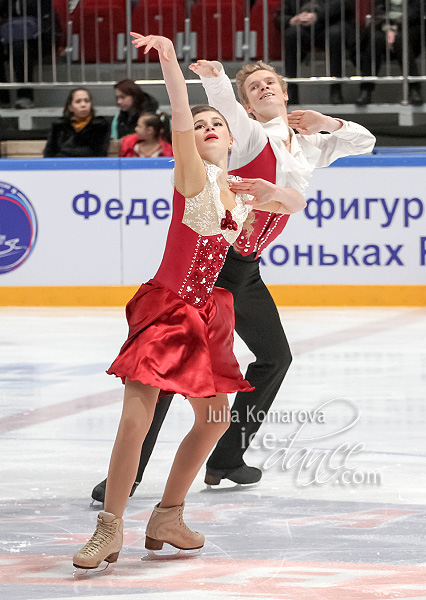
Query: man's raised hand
[308, 122]
[261, 190]
[206, 68]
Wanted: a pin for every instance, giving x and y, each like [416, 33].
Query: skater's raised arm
[343, 138]
[190, 174]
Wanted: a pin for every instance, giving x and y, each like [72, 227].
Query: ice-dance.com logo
[312, 456]
[18, 227]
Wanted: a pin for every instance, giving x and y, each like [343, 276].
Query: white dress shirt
[307, 152]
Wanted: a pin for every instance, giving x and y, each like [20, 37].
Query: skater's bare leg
[138, 410]
[195, 447]
[160, 413]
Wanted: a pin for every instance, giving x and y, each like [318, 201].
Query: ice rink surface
[339, 512]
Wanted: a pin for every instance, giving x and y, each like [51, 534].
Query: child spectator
[152, 137]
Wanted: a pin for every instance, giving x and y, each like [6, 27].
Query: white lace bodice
[204, 213]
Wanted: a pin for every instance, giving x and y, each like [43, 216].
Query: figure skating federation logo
[18, 228]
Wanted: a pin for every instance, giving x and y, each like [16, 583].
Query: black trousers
[19, 53]
[298, 42]
[258, 324]
[379, 46]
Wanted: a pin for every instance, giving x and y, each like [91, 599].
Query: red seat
[364, 8]
[274, 35]
[158, 17]
[98, 23]
[215, 22]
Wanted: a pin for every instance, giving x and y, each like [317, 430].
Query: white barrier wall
[104, 222]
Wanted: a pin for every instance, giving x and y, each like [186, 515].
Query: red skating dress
[181, 327]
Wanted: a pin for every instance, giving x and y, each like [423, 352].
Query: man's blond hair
[247, 70]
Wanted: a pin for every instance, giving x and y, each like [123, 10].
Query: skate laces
[104, 534]
[184, 525]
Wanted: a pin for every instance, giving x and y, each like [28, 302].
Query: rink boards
[89, 231]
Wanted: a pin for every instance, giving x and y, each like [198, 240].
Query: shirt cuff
[211, 83]
[348, 127]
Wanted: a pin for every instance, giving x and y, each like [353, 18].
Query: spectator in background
[305, 24]
[79, 133]
[386, 31]
[132, 102]
[25, 25]
[152, 137]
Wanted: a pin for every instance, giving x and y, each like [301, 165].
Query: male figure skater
[266, 151]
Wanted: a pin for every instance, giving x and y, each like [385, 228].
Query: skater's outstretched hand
[190, 174]
[308, 122]
[163, 45]
[206, 68]
[268, 196]
[173, 77]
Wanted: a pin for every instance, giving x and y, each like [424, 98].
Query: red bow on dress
[228, 222]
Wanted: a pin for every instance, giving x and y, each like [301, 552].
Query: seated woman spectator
[152, 137]
[79, 133]
[132, 102]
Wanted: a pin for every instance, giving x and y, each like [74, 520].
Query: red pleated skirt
[179, 348]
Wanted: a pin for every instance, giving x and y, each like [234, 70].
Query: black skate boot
[243, 475]
[98, 492]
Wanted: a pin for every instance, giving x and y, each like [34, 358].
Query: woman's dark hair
[161, 124]
[129, 88]
[67, 112]
[195, 110]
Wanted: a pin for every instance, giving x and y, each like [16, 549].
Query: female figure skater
[180, 326]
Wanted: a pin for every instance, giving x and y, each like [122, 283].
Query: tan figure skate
[166, 526]
[105, 543]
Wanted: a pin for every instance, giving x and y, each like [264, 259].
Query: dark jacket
[64, 141]
[18, 8]
[31, 11]
[295, 7]
[380, 10]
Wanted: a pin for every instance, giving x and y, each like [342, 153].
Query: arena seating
[214, 29]
[22, 148]
[274, 35]
[165, 17]
[97, 24]
[363, 8]
[60, 7]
